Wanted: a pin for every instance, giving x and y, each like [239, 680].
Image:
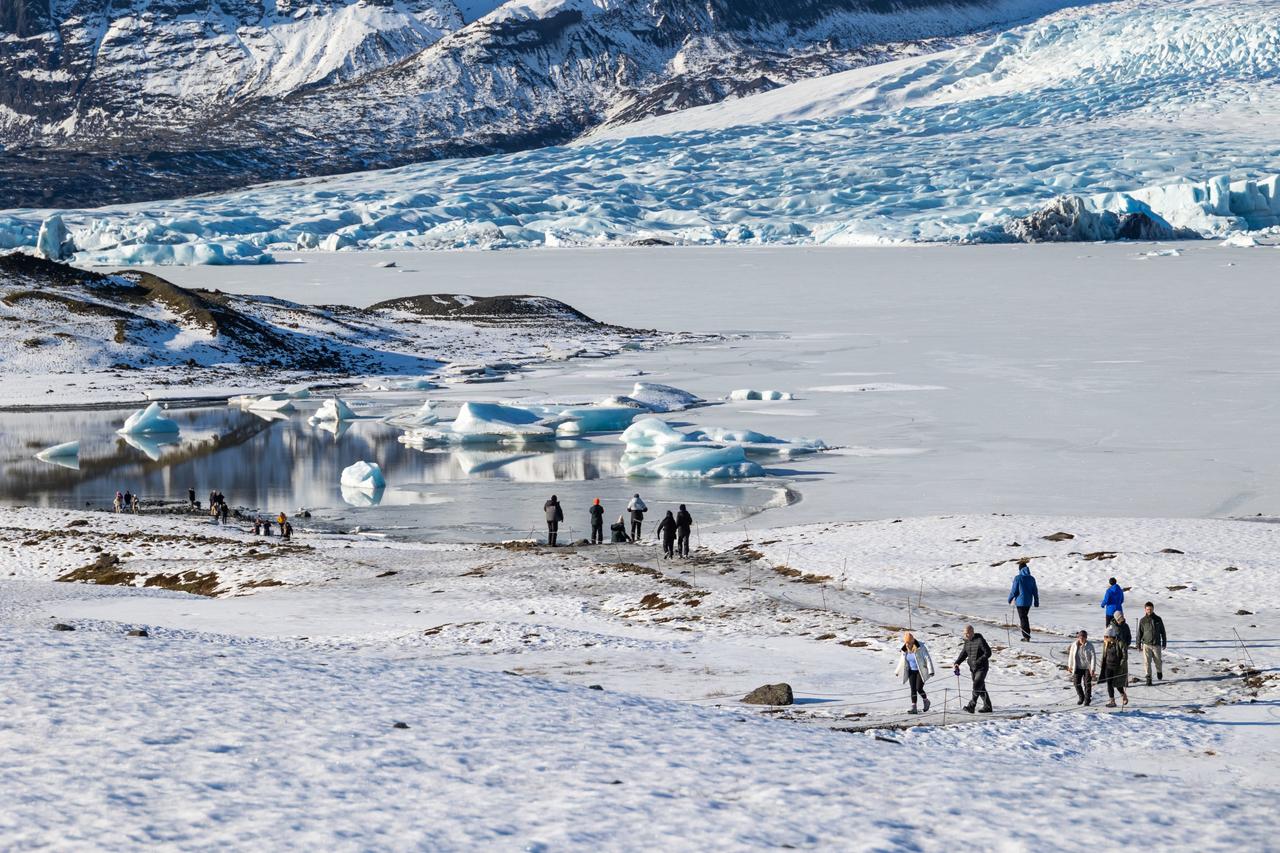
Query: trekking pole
[1243, 647]
[1008, 638]
[946, 694]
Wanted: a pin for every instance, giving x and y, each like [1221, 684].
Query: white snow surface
[1167, 104]
[265, 718]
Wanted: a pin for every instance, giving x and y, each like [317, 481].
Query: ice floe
[753, 394]
[66, 454]
[664, 398]
[365, 476]
[488, 423]
[600, 418]
[148, 420]
[333, 410]
[696, 463]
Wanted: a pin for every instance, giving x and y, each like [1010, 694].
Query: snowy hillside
[1111, 102]
[120, 333]
[104, 102]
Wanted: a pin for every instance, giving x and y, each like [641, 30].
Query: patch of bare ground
[107, 570]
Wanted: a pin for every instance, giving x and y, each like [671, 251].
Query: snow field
[310, 678]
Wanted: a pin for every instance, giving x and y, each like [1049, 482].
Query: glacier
[1165, 106]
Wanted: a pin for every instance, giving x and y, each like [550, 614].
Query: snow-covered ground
[265, 717]
[1104, 98]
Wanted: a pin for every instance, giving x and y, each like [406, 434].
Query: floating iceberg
[423, 417]
[147, 421]
[66, 454]
[599, 418]
[652, 435]
[757, 442]
[333, 409]
[275, 403]
[663, 398]
[696, 463]
[489, 423]
[366, 476]
[752, 394]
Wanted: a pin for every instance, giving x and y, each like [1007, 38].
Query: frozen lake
[1079, 379]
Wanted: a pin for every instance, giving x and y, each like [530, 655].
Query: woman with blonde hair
[914, 668]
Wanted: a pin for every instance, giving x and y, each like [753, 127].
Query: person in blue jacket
[1113, 601]
[1024, 595]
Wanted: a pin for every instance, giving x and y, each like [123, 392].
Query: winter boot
[986, 707]
[1160, 675]
[913, 709]
[1148, 681]
[970, 707]
[925, 699]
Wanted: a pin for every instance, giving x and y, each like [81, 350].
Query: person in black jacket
[976, 651]
[555, 515]
[1151, 641]
[667, 530]
[1123, 632]
[684, 521]
[597, 523]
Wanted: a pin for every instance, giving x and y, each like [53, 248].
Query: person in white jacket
[1082, 662]
[636, 507]
[914, 668]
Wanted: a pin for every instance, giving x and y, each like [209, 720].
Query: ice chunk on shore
[362, 497]
[146, 421]
[366, 476]
[599, 418]
[66, 454]
[753, 394]
[664, 398]
[334, 409]
[652, 435]
[697, 463]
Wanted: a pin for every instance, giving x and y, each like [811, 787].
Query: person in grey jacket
[1151, 641]
[1082, 662]
[978, 653]
[555, 515]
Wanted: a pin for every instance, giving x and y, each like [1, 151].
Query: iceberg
[488, 423]
[273, 403]
[66, 454]
[150, 445]
[365, 476]
[147, 421]
[757, 442]
[663, 398]
[425, 416]
[333, 409]
[652, 435]
[52, 241]
[696, 463]
[753, 394]
[598, 418]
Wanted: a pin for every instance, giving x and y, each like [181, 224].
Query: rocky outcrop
[1069, 219]
[770, 694]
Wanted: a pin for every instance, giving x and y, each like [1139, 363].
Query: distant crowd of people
[1085, 664]
[673, 530]
[126, 502]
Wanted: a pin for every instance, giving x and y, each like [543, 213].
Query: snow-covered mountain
[1166, 109]
[104, 101]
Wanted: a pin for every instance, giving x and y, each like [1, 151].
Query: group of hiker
[1085, 664]
[126, 502]
[262, 526]
[673, 530]
[218, 507]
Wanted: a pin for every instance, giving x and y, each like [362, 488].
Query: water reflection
[284, 463]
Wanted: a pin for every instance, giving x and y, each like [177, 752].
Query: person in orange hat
[597, 523]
